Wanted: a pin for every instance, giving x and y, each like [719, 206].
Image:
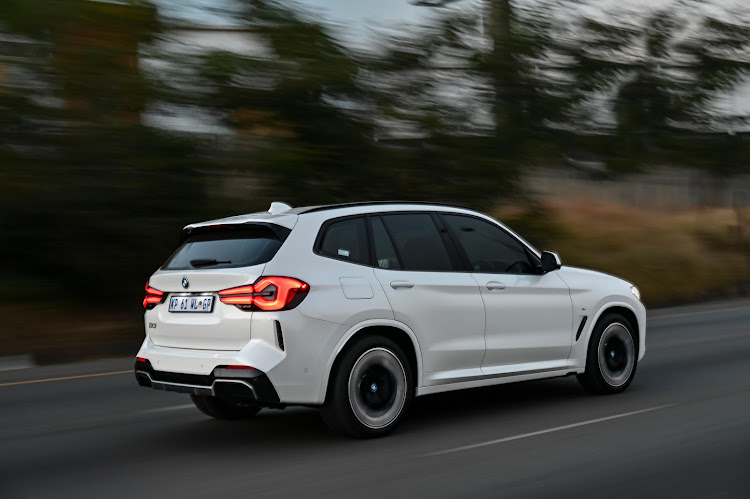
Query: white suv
[358, 308]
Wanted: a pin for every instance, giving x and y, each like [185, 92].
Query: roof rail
[377, 203]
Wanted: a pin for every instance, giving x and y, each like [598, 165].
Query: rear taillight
[153, 297]
[241, 296]
[268, 293]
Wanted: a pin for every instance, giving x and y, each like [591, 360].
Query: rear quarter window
[344, 239]
[225, 247]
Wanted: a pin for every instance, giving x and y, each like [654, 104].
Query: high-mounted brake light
[153, 297]
[268, 293]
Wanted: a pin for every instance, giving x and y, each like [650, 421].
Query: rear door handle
[495, 286]
[401, 284]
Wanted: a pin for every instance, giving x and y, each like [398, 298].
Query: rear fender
[356, 329]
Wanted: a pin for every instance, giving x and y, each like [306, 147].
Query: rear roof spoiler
[281, 232]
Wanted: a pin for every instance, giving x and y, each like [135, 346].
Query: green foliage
[94, 194]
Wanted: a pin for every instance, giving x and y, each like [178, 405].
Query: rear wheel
[223, 409]
[370, 390]
[612, 356]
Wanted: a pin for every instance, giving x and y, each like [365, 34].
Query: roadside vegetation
[117, 128]
[673, 257]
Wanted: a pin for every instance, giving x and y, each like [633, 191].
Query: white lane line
[170, 408]
[548, 430]
[701, 312]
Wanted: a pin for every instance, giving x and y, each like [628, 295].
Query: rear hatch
[210, 259]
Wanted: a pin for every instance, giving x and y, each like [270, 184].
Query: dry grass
[672, 257]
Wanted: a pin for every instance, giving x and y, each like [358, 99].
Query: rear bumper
[251, 385]
[291, 349]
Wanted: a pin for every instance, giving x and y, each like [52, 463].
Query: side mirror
[550, 261]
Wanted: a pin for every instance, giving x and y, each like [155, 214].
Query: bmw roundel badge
[185, 283]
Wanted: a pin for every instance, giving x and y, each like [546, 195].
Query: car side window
[417, 242]
[385, 253]
[345, 240]
[488, 247]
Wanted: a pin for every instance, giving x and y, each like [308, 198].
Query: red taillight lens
[140, 359]
[153, 296]
[241, 296]
[268, 293]
[276, 293]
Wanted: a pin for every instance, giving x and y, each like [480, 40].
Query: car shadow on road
[299, 427]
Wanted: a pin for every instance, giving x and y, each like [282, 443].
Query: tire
[223, 409]
[612, 356]
[370, 390]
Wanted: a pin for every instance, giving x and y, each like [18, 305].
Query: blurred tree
[90, 190]
[625, 58]
[472, 86]
[295, 110]
[717, 60]
[662, 71]
[454, 111]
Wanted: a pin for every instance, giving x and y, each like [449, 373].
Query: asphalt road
[681, 430]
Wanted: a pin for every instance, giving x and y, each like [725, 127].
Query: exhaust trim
[194, 389]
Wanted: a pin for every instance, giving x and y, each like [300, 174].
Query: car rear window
[225, 247]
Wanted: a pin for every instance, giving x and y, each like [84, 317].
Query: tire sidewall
[338, 410]
[595, 380]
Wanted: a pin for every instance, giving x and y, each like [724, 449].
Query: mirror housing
[550, 261]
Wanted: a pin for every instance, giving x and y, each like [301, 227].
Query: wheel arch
[398, 332]
[623, 309]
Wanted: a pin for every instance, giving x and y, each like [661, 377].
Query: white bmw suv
[358, 308]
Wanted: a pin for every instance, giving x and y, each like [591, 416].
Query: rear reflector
[240, 367]
[140, 359]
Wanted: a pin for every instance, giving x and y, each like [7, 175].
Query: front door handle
[401, 284]
[495, 286]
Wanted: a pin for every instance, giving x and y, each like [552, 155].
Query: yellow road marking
[64, 378]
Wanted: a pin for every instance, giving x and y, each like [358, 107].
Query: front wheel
[223, 409]
[612, 356]
[370, 390]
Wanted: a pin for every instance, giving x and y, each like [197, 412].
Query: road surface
[681, 430]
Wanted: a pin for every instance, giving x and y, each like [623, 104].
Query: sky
[356, 21]
[208, 11]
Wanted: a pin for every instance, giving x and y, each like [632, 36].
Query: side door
[419, 269]
[529, 315]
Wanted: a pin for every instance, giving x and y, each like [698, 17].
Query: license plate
[198, 304]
